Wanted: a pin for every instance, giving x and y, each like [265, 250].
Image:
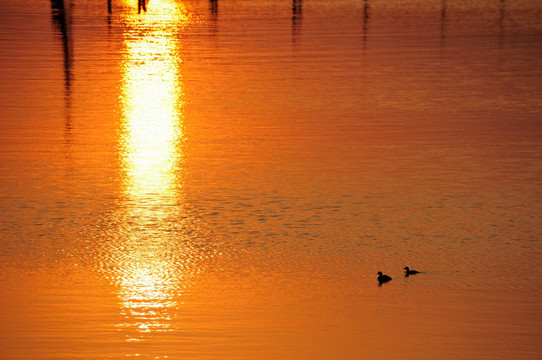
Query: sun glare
[151, 152]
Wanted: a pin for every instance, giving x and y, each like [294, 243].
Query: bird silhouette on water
[382, 278]
[409, 272]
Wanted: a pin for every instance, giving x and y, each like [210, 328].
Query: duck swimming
[410, 272]
[383, 278]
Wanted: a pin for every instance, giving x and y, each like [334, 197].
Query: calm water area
[224, 179]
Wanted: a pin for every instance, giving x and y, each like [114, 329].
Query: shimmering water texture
[224, 179]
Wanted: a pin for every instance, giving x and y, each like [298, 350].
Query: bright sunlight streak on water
[224, 179]
[152, 102]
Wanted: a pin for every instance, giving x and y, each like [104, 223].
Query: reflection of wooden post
[365, 20]
[213, 6]
[443, 17]
[502, 13]
[109, 6]
[141, 4]
[501, 21]
[61, 19]
[297, 9]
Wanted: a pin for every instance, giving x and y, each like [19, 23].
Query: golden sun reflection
[151, 153]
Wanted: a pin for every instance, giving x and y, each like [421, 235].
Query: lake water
[223, 180]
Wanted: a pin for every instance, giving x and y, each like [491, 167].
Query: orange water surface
[224, 179]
